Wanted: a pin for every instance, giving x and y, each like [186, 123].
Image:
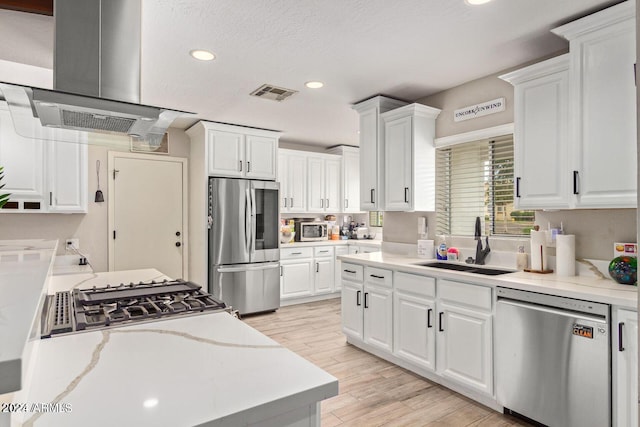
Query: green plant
[4, 198]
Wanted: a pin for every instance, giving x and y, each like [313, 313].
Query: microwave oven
[310, 231]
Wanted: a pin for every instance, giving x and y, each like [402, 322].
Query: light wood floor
[373, 392]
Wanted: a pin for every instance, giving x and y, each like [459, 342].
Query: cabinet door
[315, 184]
[464, 347]
[260, 156]
[369, 160]
[378, 317]
[339, 250]
[541, 142]
[351, 179]
[67, 177]
[324, 275]
[414, 329]
[332, 181]
[282, 179]
[226, 154]
[297, 182]
[23, 162]
[352, 309]
[604, 100]
[397, 161]
[625, 386]
[296, 278]
[354, 250]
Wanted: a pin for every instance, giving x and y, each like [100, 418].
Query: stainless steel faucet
[481, 253]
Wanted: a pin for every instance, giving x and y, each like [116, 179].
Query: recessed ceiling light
[202, 55]
[476, 2]
[314, 85]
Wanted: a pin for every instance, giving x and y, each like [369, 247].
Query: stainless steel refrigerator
[244, 254]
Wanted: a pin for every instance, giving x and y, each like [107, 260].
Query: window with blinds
[475, 179]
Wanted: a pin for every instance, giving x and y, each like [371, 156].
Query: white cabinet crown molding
[475, 135]
[225, 127]
[378, 101]
[412, 110]
[596, 21]
[537, 70]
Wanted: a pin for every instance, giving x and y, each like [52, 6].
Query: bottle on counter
[442, 249]
[521, 258]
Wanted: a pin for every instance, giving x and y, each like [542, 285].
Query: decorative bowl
[624, 270]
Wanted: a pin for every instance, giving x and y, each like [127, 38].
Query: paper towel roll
[426, 249]
[566, 255]
[539, 250]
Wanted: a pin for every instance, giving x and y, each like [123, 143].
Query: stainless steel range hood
[96, 77]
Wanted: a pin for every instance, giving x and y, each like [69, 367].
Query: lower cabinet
[308, 271]
[324, 276]
[625, 362]
[339, 250]
[296, 279]
[367, 305]
[414, 312]
[465, 338]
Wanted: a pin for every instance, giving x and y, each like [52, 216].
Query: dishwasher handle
[558, 312]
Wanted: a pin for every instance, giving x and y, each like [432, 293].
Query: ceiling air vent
[272, 92]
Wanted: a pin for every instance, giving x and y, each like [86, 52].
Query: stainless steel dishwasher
[553, 358]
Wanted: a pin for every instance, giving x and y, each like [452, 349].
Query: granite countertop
[24, 267]
[356, 242]
[593, 287]
[208, 369]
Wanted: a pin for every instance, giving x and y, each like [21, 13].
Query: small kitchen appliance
[311, 231]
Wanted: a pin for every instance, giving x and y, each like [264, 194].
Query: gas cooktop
[110, 306]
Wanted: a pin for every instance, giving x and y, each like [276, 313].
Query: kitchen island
[207, 369]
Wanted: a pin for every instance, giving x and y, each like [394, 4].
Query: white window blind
[475, 179]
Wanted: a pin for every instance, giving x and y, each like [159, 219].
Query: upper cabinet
[323, 177]
[409, 158]
[350, 185]
[236, 151]
[292, 176]
[541, 93]
[44, 176]
[603, 107]
[372, 164]
[575, 118]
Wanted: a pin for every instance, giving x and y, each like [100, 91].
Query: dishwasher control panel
[559, 302]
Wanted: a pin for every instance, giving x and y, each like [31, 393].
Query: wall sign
[479, 110]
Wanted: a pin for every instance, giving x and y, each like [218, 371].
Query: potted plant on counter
[4, 198]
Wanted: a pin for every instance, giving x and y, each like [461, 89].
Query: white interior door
[147, 213]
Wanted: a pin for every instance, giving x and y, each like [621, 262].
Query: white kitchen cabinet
[339, 250]
[541, 139]
[42, 175]
[372, 166]
[414, 312]
[409, 155]
[464, 338]
[323, 180]
[354, 250]
[296, 278]
[324, 276]
[67, 177]
[292, 175]
[367, 305]
[625, 375]
[603, 107]
[350, 185]
[237, 151]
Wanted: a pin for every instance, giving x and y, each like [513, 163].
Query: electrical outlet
[72, 243]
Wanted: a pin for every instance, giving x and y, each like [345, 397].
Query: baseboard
[303, 300]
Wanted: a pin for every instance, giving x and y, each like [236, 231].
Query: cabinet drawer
[293, 253]
[378, 276]
[320, 251]
[352, 272]
[415, 284]
[465, 293]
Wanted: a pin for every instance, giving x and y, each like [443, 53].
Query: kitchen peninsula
[207, 369]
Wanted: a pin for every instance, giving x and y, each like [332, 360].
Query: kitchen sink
[466, 268]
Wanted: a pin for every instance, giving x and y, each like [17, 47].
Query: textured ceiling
[407, 49]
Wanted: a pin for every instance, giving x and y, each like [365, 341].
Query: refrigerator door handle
[248, 267]
[247, 223]
[252, 202]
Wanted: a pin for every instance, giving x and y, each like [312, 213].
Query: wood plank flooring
[373, 392]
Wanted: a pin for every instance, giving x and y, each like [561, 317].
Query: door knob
[178, 233]
[178, 244]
